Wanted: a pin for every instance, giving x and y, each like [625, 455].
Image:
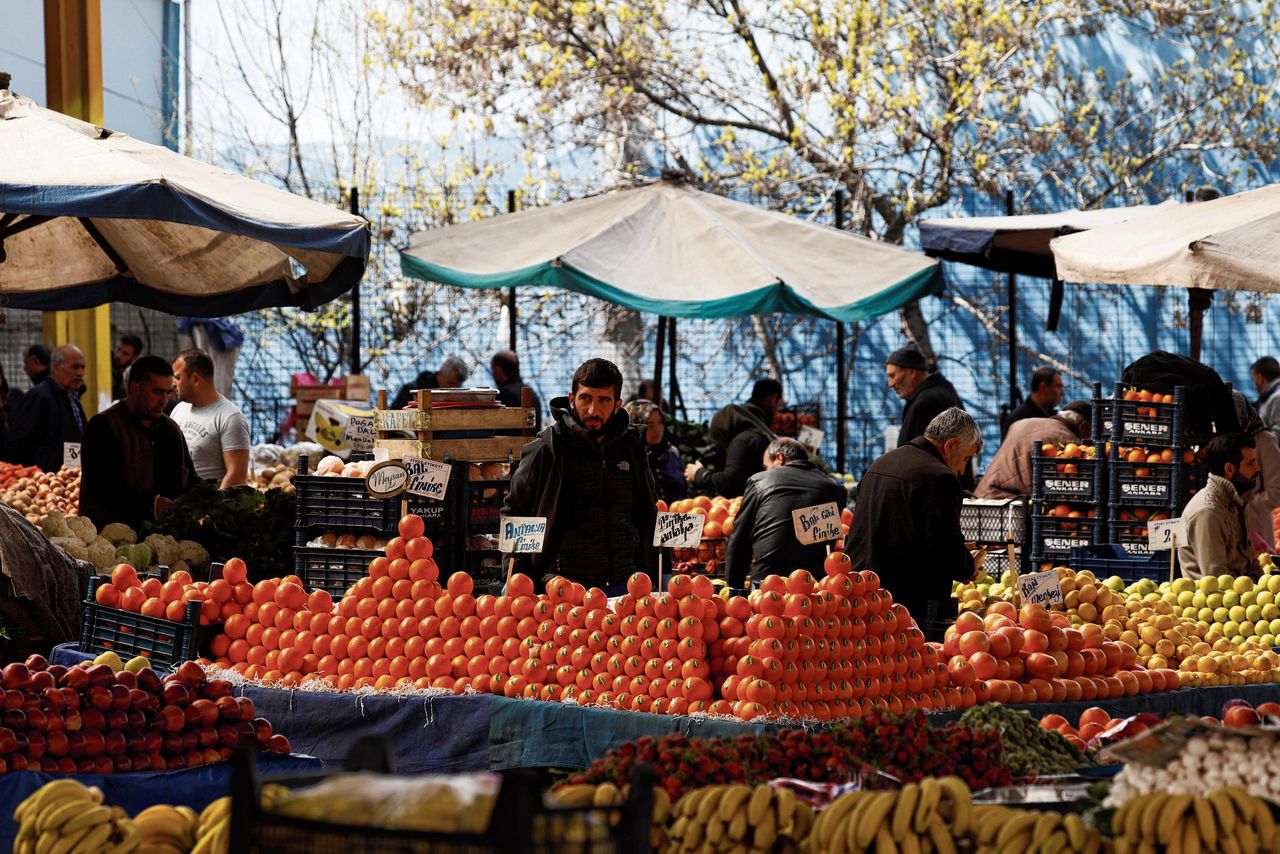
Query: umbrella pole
[673, 388]
[1198, 300]
[657, 360]
[1013, 320]
[842, 379]
[355, 299]
[511, 292]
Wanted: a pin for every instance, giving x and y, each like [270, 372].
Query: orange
[220, 591]
[366, 607]
[267, 613]
[386, 608]
[289, 595]
[271, 638]
[175, 611]
[132, 598]
[264, 591]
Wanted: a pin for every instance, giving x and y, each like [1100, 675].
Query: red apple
[100, 674]
[228, 709]
[16, 676]
[172, 743]
[190, 673]
[72, 720]
[53, 698]
[247, 711]
[119, 697]
[176, 694]
[37, 662]
[215, 688]
[140, 699]
[75, 677]
[211, 756]
[136, 719]
[173, 718]
[115, 743]
[278, 744]
[70, 697]
[245, 732]
[92, 718]
[262, 730]
[103, 765]
[174, 761]
[224, 753]
[228, 735]
[8, 741]
[40, 680]
[14, 699]
[115, 719]
[154, 741]
[76, 744]
[206, 736]
[36, 744]
[98, 697]
[55, 670]
[18, 762]
[122, 764]
[127, 678]
[194, 758]
[14, 718]
[83, 765]
[148, 681]
[94, 742]
[56, 744]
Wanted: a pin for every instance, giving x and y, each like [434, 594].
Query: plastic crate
[520, 822]
[1055, 536]
[1067, 480]
[1131, 536]
[130, 634]
[341, 504]
[1110, 559]
[1148, 424]
[333, 570]
[483, 502]
[1147, 484]
[994, 521]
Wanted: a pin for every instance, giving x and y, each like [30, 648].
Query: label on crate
[1069, 485]
[1166, 534]
[1157, 491]
[1064, 544]
[521, 534]
[428, 478]
[71, 455]
[678, 530]
[817, 524]
[1147, 429]
[403, 419]
[1040, 588]
[810, 437]
[387, 480]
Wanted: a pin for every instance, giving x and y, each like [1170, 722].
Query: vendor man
[452, 374]
[217, 434]
[906, 524]
[134, 459]
[1217, 542]
[587, 474]
[743, 431]
[764, 536]
[49, 417]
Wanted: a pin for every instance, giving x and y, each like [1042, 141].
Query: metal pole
[657, 361]
[355, 299]
[1014, 394]
[673, 393]
[188, 142]
[511, 292]
[842, 379]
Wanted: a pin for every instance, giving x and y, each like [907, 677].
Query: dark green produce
[1029, 749]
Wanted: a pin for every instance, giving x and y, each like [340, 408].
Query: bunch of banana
[999, 828]
[739, 818]
[928, 816]
[1229, 820]
[167, 829]
[66, 817]
[609, 795]
[213, 828]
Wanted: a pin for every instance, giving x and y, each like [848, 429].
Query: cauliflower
[82, 527]
[193, 553]
[54, 525]
[102, 553]
[165, 548]
[72, 546]
[119, 533]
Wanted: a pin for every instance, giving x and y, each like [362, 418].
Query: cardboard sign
[522, 534]
[678, 530]
[428, 478]
[387, 480]
[342, 428]
[817, 524]
[71, 455]
[1161, 534]
[810, 437]
[1041, 588]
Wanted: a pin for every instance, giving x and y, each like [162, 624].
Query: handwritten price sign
[428, 478]
[678, 530]
[1041, 588]
[522, 534]
[817, 524]
[71, 455]
[1166, 534]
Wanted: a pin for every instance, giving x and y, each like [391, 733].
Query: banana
[1178, 836]
[1206, 822]
[159, 848]
[1191, 841]
[49, 792]
[130, 838]
[1264, 823]
[759, 803]
[215, 811]
[95, 794]
[738, 825]
[688, 803]
[46, 840]
[1053, 843]
[214, 842]
[577, 795]
[961, 801]
[694, 833]
[1247, 838]
[1224, 808]
[765, 832]
[930, 795]
[95, 839]
[1019, 842]
[831, 820]
[1246, 804]
[1076, 831]
[884, 841]
[67, 843]
[87, 818]
[1022, 821]
[910, 844]
[1228, 844]
[715, 830]
[606, 795]
[803, 821]
[1150, 815]
[904, 811]
[1172, 810]
[733, 800]
[784, 802]
[1046, 822]
[59, 813]
[872, 819]
[707, 806]
[940, 836]
[661, 805]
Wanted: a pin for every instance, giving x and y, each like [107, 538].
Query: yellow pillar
[73, 79]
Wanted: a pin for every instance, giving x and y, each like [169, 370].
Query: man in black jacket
[588, 476]
[743, 431]
[452, 374]
[505, 367]
[926, 395]
[50, 416]
[764, 538]
[1046, 394]
[906, 523]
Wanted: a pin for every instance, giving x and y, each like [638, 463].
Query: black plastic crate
[1146, 423]
[1147, 484]
[130, 634]
[994, 521]
[1110, 559]
[1131, 536]
[341, 504]
[333, 570]
[1055, 536]
[1076, 479]
[484, 500]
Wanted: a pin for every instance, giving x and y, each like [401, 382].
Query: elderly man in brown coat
[1009, 474]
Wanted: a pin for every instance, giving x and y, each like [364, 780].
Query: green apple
[1263, 597]
[1214, 600]
[1230, 598]
[1268, 639]
[1182, 585]
[1242, 584]
[1226, 582]
[1221, 615]
[1231, 628]
[1190, 612]
[1247, 598]
[1270, 611]
[1275, 626]
[1253, 613]
[1185, 598]
[1199, 599]
[1209, 583]
[1237, 613]
[1273, 584]
[1205, 615]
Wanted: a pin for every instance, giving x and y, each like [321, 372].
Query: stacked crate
[1068, 493]
[1150, 466]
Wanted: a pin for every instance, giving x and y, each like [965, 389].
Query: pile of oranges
[720, 512]
[798, 647]
[219, 600]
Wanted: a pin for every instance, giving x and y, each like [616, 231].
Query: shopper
[216, 431]
[926, 394]
[1217, 542]
[1010, 473]
[505, 367]
[451, 374]
[906, 523]
[135, 462]
[647, 390]
[50, 415]
[664, 460]
[764, 540]
[1046, 393]
[742, 431]
[128, 349]
[1266, 379]
[587, 474]
[1265, 496]
[36, 360]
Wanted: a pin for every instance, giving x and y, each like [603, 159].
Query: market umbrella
[670, 249]
[89, 216]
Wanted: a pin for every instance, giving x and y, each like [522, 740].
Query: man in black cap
[927, 394]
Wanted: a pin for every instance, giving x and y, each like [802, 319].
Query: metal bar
[511, 292]
[842, 378]
[1015, 395]
[107, 249]
[674, 394]
[355, 299]
[657, 361]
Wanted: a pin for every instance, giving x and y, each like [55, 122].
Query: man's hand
[691, 471]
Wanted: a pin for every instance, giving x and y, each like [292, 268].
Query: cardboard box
[341, 428]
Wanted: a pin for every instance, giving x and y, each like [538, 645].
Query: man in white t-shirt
[214, 427]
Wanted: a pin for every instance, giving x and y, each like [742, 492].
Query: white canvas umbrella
[89, 216]
[670, 249]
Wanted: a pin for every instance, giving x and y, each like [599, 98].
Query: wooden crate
[426, 423]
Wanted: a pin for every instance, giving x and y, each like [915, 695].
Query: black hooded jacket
[598, 500]
[743, 431]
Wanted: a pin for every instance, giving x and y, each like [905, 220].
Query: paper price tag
[810, 437]
[71, 455]
[386, 480]
[522, 534]
[1041, 588]
[428, 478]
[678, 530]
[817, 524]
[362, 432]
[1161, 534]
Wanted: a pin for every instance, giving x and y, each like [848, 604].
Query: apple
[154, 741]
[262, 730]
[18, 762]
[36, 745]
[173, 718]
[100, 674]
[56, 743]
[102, 765]
[70, 697]
[93, 718]
[148, 681]
[141, 700]
[16, 676]
[98, 697]
[75, 677]
[211, 756]
[247, 710]
[72, 720]
[278, 744]
[190, 673]
[37, 719]
[141, 762]
[176, 694]
[224, 753]
[114, 743]
[83, 765]
[216, 688]
[135, 719]
[14, 699]
[76, 744]
[127, 678]
[55, 670]
[229, 735]
[120, 697]
[14, 719]
[206, 712]
[121, 764]
[37, 662]
[228, 709]
[194, 758]
[206, 736]
[94, 742]
[40, 680]
[172, 743]
[8, 740]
